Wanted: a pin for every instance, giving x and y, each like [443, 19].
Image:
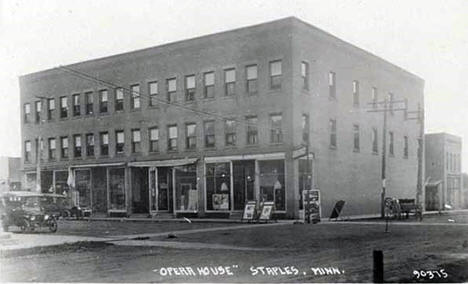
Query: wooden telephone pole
[387, 106]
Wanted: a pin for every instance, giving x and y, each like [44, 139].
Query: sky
[428, 38]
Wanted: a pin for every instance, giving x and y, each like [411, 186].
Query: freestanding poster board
[267, 210]
[249, 211]
[313, 204]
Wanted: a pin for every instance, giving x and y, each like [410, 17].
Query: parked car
[30, 210]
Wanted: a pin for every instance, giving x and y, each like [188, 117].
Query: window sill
[190, 150]
[375, 153]
[208, 99]
[276, 143]
[251, 145]
[331, 147]
[356, 151]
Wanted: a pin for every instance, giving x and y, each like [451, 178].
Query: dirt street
[340, 252]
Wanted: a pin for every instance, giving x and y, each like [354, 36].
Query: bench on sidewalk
[409, 206]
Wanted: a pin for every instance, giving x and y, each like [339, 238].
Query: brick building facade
[203, 125]
[444, 185]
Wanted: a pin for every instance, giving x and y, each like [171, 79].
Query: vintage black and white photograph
[228, 141]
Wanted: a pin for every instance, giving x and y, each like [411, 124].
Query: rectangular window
[356, 137]
[27, 151]
[209, 80]
[230, 132]
[332, 129]
[374, 97]
[136, 141]
[119, 142]
[276, 133]
[89, 101]
[38, 106]
[63, 107]
[390, 102]
[355, 93]
[375, 144]
[52, 149]
[153, 91]
[119, 99]
[64, 145]
[276, 73]
[305, 128]
[230, 82]
[89, 144]
[390, 144]
[209, 127]
[27, 112]
[104, 139]
[252, 130]
[332, 85]
[50, 108]
[76, 105]
[218, 186]
[252, 75]
[171, 89]
[305, 75]
[190, 88]
[135, 101]
[103, 101]
[77, 146]
[172, 138]
[405, 149]
[154, 139]
[190, 136]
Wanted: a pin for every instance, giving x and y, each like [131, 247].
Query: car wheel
[53, 226]
[25, 225]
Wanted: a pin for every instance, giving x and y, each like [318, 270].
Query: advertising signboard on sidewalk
[311, 204]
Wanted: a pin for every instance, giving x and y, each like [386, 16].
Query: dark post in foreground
[378, 266]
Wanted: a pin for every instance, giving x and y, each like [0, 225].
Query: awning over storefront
[97, 165]
[269, 156]
[433, 183]
[163, 163]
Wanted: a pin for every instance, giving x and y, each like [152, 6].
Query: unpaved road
[347, 247]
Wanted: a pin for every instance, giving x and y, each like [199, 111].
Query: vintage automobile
[30, 210]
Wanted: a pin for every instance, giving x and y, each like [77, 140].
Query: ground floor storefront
[195, 187]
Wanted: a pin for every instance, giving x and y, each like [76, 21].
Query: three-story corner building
[203, 125]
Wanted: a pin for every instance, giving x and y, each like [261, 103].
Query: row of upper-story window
[209, 138]
[453, 162]
[374, 140]
[153, 93]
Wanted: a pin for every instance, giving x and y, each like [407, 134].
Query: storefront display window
[47, 181]
[117, 189]
[186, 188]
[218, 186]
[30, 182]
[272, 187]
[61, 186]
[83, 187]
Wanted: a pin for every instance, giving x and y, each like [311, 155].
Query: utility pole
[420, 119]
[387, 105]
[307, 181]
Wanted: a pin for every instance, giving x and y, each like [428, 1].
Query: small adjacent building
[443, 187]
[10, 173]
[201, 126]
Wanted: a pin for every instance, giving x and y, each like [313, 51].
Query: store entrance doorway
[244, 182]
[140, 190]
[160, 189]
